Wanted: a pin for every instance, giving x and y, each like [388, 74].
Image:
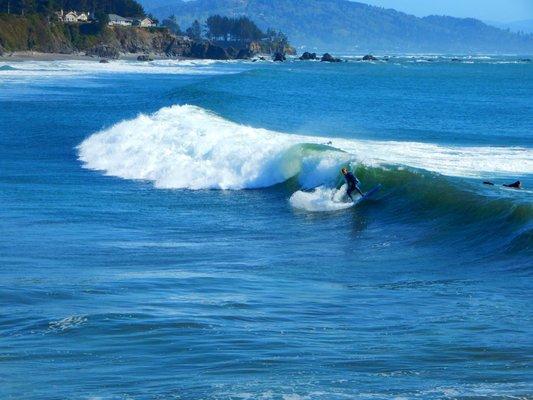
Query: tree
[218, 27]
[102, 19]
[245, 30]
[172, 24]
[195, 31]
[239, 29]
[46, 7]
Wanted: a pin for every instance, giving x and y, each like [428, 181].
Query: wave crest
[189, 147]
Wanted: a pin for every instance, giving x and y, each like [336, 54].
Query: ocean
[177, 229]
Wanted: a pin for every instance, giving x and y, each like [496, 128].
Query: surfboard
[370, 193]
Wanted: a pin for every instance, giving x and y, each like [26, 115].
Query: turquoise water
[162, 237]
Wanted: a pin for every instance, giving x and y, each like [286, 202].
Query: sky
[487, 10]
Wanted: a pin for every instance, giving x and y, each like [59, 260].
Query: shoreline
[18, 56]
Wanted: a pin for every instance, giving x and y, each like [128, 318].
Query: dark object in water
[514, 185]
[329, 58]
[308, 56]
[104, 61]
[279, 57]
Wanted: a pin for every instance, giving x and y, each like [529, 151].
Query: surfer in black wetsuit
[352, 181]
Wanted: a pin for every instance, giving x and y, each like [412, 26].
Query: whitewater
[187, 147]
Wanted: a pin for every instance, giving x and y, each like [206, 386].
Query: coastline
[19, 56]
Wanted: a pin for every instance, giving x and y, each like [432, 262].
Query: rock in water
[369, 57]
[308, 56]
[280, 57]
[329, 58]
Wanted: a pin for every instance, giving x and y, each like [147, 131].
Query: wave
[187, 147]
[75, 68]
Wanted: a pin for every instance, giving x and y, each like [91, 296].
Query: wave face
[187, 147]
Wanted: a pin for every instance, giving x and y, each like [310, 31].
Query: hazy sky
[492, 10]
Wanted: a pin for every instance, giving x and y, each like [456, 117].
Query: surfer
[352, 181]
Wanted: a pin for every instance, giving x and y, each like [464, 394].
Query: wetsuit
[353, 183]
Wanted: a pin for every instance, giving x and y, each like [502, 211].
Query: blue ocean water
[162, 236]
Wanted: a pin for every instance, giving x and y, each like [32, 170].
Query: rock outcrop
[308, 56]
[207, 50]
[104, 51]
[329, 58]
[369, 57]
[244, 54]
[145, 57]
[177, 47]
[279, 57]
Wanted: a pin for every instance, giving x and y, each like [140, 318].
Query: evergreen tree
[239, 29]
[195, 31]
[172, 24]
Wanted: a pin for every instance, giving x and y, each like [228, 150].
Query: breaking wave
[187, 147]
[31, 70]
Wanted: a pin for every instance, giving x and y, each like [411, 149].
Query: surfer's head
[344, 171]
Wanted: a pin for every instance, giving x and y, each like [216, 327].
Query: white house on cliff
[73, 16]
[117, 20]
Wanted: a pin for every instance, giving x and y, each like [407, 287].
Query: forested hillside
[126, 8]
[351, 26]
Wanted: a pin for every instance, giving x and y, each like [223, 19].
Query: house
[117, 20]
[71, 16]
[83, 17]
[144, 23]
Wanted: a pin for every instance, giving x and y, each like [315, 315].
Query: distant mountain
[342, 25]
[525, 26]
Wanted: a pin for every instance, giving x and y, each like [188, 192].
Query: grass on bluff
[34, 32]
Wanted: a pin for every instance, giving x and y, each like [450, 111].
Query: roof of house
[115, 17]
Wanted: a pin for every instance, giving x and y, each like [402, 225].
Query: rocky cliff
[36, 33]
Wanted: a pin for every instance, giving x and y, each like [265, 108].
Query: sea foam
[64, 69]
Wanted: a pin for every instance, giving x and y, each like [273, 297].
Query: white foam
[189, 147]
[70, 322]
[321, 199]
[73, 68]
